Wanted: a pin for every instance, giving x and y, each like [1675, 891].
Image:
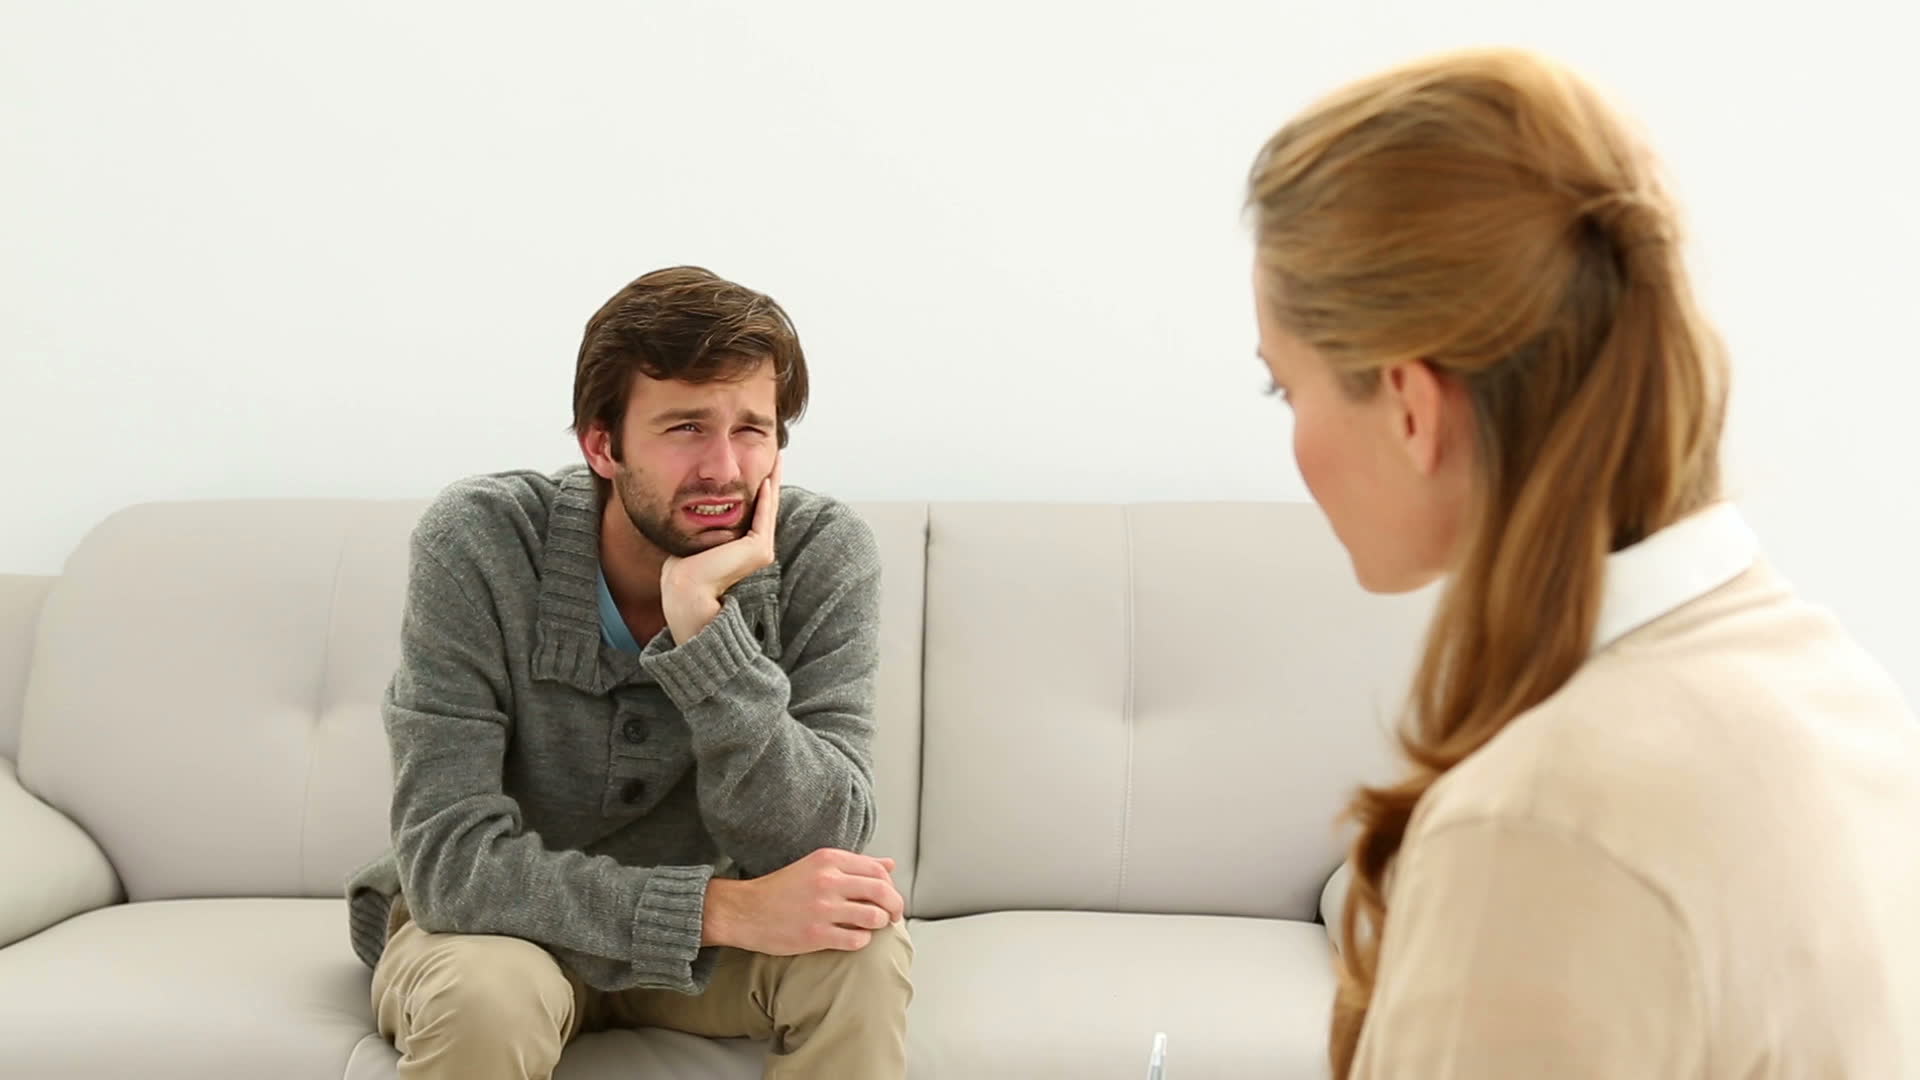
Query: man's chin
[689, 545]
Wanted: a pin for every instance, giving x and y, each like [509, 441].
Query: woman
[1660, 816]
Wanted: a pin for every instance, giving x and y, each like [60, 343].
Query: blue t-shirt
[613, 627]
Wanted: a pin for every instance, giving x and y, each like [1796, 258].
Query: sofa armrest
[20, 599]
[1333, 901]
[49, 868]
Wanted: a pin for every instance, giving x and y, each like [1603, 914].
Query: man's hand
[691, 587]
[831, 899]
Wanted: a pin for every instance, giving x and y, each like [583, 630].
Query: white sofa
[1113, 743]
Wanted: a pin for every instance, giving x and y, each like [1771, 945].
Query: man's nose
[720, 465]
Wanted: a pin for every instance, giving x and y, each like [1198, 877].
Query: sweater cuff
[667, 925]
[692, 671]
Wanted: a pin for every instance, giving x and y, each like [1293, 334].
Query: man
[631, 730]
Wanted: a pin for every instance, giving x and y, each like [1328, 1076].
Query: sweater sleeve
[785, 749]
[467, 863]
[1516, 950]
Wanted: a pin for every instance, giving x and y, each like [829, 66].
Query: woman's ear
[1419, 408]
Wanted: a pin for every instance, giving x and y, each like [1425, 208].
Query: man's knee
[883, 969]
[487, 990]
[889, 953]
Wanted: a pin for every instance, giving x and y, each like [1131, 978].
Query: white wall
[346, 249]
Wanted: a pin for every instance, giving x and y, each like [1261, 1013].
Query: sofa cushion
[1064, 995]
[610, 1055]
[900, 531]
[217, 989]
[62, 869]
[1152, 708]
[186, 990]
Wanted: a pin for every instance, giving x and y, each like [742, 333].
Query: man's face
[692, 458]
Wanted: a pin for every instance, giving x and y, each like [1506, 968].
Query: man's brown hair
[689, 324]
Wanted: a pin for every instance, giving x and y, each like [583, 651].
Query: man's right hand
[830, 899]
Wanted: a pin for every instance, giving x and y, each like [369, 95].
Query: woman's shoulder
[1690, 731]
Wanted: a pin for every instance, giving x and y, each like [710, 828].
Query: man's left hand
[691, 588]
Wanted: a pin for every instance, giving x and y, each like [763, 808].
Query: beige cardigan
[1701, 858]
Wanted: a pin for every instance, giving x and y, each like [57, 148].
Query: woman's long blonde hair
[1487, 214]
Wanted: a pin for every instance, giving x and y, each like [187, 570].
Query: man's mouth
[715, 513]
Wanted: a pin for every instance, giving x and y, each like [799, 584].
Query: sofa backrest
[204, 697]
[1153, 708]
[205, 692]
[1148, 708]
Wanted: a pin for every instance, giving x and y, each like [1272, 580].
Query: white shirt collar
[1680, 563]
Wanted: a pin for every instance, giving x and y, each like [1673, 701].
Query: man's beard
[654, 517]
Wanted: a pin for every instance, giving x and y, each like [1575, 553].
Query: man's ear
[596, 445]
[1421, 412]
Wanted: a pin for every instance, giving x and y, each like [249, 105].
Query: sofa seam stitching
[1126, 708]
[319, 703]
[920, 777]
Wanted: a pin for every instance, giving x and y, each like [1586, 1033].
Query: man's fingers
[842, 939]
[773, 495]
[763, 507]
[876, 893]
[722, 566]
[867, 866]
[766, 509]
[860, 916]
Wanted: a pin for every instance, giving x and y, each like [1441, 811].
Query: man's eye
[688, 427]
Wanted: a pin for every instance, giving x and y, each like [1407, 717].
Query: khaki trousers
[480, 1007]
